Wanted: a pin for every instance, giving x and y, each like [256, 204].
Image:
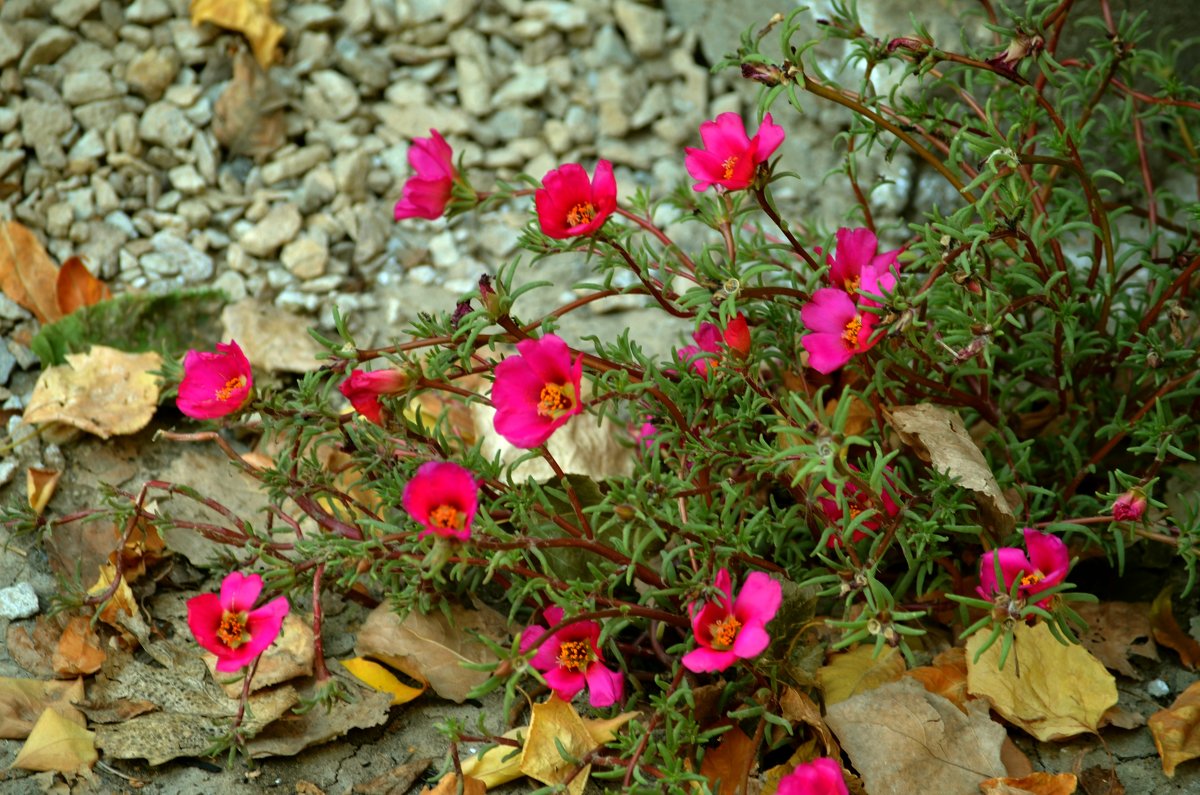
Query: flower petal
[605, 687]
[1013, 565]
[565, 684]
[1049, 555]
[204, 614]
[770, 135]
[751, 640]
[239, 591]
[759, 599]
[826, 351]
[704, 660]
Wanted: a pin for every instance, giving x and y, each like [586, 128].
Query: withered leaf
[79, 650]
[727, 766]
[1117, 630]
[1038, 783]
[76, 287]
[555, 728]
[1168, 632]
[251, 18]
[857, 671]
[22, 701]
[40, 485]
[248, 116]
[105, 392]
[946, 676]
[27, 274]
[1176, 730]
[59, 744]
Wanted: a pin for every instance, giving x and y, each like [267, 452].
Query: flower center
[235, 383]
[728, 166]
[853, 329]
[1032, 579]
[852, 284]
[446, 517]
[232, 631]
[581, 213]
[724, 632]
[574, 655]
[556, 400]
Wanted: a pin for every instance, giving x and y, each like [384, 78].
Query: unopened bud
[765, 73]
[1130, 506]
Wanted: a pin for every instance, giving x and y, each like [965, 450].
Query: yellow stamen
[446, 517]
[1032, 579]
[574, 655]
[556, 400]
[233, 384]
[853, 329]
[852, 284]
[232, 631]
[581, 214]
[724, 633]
[728, 166]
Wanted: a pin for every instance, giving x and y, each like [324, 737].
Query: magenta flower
[821, 776]
[226, 626]
[536, 392]
[570, 205]
[857, 501]
[708, 340]
[856, 258]
[731, 629]
[1045, 567]
[443, 497]
[426, 194]
[1130, 506]
[730, 158]
[363, 390]
[571, 660]
[214, 384]
[737, 335]
[837, 329]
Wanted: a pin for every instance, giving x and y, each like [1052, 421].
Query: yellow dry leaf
[603, 730]
[1034, 784]
[1050, 690]
[555, 725]
[105, 392]
[251, 18]
[1176, 729]
[449, 786]
[22, 701]
[40, 485]
[121, 601]
[858, 671]
[59, 744]
[380, 678]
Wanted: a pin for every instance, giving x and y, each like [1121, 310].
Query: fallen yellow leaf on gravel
[380, 678]
[1176, 729]
[59, 744]
[555, 725]
[1033, 784]
[105, 392]
[858, 671]
[251, 18]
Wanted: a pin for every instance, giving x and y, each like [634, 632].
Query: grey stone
[8, 119]
[560, 14]
[43, 124]
[72, 12]
[526, 84]
[47, 47]
[7, 360]
[9, 160]
[474, 86]
[410, 121]
[366, 67]
[164, 123]
[11, 45]
[318, 189]
[186, 179]
[233, 284]
[151, 72]
[88, 85]
[350, 172]
[293, 165]
[370, 237]
[312, 16]
[10, 310]
[305, 258]
[100, 115]
[86, 55]
[147, 12]
[18, 601]
[332, 95]
[278, 227]
[454, 12]
[194, 266]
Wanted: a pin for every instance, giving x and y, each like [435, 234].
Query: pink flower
[569, 205]
[1045, 567]
[426, 194]
[857, 501]
[837, 329]
[645, 435]
[1130, 506]
[737, 335]
[226, 626]
[730, 158]
[214, 384]
[536, 392]
[731, 629]
[570, 660]
[819, 777]
[857, 259]
[711, 339]
[363, 389]
[442, 496]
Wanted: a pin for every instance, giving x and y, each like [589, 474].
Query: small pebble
[18, 601]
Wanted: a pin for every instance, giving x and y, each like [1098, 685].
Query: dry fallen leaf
[581, 447]
[448, 785]
[27, 274]
[22, 701]
[937, 435]
[1176, 730]
[40, 485]
[1048, 689]
[291, 733]
[76, 287]
[797, 707]
[289, 657]
[396, 781]
[946, 676]
[857, 671]
[555, 725]
[79, 650]
[727, 766]
[105, 392]
[1034, 784]
[252, 18]
[375, 675]
[430, 648]
[903, 739]
[1116, 631]
[1168, 632]
[248, 116]
[59, 744]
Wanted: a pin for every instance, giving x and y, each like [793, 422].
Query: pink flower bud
[1130, 506]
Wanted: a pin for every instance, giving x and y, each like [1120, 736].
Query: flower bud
[1130, 506]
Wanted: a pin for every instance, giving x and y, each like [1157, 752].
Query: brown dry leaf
[121, 601]
[727, 766]
[396, 781]
[105, 392]
[252, 18]
[449, 786]
[938, 436]
[1176, 730]
[555, 724]
[903, 739]
[857, 671]
[79, 650]
[1168, 632]
[40, 485]
[23, 700]
[248, 116]
[947, 676]
[1050, 690]
[1016, 763]
[1097, 780]
[1116, 631]
[376, 676]
[34, 650]
[292, 733]
[76, 287]
[581, 447]
[797, 707]
[430, 648]
[57, 743]
[27, 274]
[859, 418]
[1034, 784]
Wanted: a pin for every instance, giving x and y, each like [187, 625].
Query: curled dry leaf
[1176, 730]
[1039, 783]
[251, 18]
[448, 785]
[554, 729]
[797, 707]
[58, 744]
[857, 671]
[380, 678]
[79, 650]
[23, 700]
[938, 436]
[105, 392]
[946, 676]
[728, 765]
[1117, 630]
[248, 116]
[40, 485]
[27, 274]
[1168, 632]
[76, 287]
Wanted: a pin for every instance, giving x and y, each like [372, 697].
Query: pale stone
[305, 258]
[277, 227]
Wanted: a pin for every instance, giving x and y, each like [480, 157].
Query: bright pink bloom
[857, 259]
[226, 626]
[426, 194]
[1130, 506]
[737, 335]
[645, 435]
[731, 629]
[837, 329]
[571, 660]
[730, 158]
[214, 384]
[708, 340]
[442, 496]
[1045, 567]
[857, 501]
[363, 389]
[570, 205]
[536, 392]
[819, 777]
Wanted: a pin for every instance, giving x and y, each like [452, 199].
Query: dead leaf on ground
[22, 701]
[380, 678]
[946, 676]
[1039, 783]
[1098, 780]
[79, 650]
[27, 274]
[1168, 632]
[797, 707]
[938, 436]
[396, 781]
[728, 765]
[76, 287]
[903, 739]
[449, 786]
[272, 340]
[290, 733]
[1050, 690]
[430, 648]
[34, 651]
[1176, 730]
[857, 671]
[289, 657]
[1117, 630]
[57, 744]
[40, 485]
[251, 18]
[105, 392]
[554, 729]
